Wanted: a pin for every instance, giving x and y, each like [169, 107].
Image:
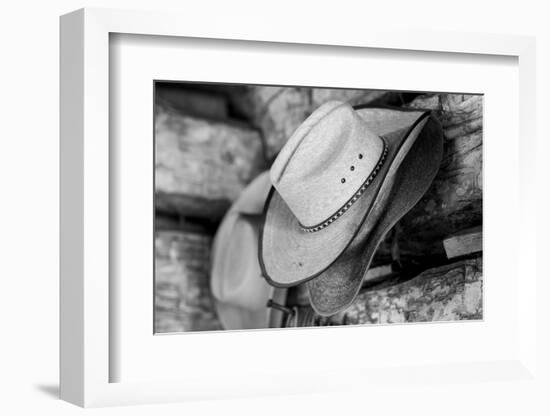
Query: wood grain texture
[447, 293]
[454, 201]
[277, 112]
[183, 301]
[201, 166]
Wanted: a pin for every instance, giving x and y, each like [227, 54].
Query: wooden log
[202, 166]
[186, 224]
[191, 205]
[320, 96]
[447, 293]
[183, 301]
[278, 111]
[202, 104]
[464, 243]
[454, 201]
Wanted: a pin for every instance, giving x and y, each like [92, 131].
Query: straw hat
[240, 292]
[340, 183]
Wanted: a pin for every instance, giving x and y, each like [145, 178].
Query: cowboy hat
[240, 293]
[336, 179]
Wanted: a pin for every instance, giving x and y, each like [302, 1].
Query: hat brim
[336, 288]
[289, 255]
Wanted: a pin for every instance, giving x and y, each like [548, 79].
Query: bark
[447, 293]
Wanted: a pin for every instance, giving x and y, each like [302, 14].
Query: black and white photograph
[294, 206]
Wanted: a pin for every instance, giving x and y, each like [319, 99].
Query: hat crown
[325, 163]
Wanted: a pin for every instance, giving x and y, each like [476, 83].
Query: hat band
[352, 200]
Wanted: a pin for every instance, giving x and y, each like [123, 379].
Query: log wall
[204, 159]
[201, 166]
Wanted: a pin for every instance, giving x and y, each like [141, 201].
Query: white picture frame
[87, 302]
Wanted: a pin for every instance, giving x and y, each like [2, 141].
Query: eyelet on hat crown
[360, 191]
[335, 139]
